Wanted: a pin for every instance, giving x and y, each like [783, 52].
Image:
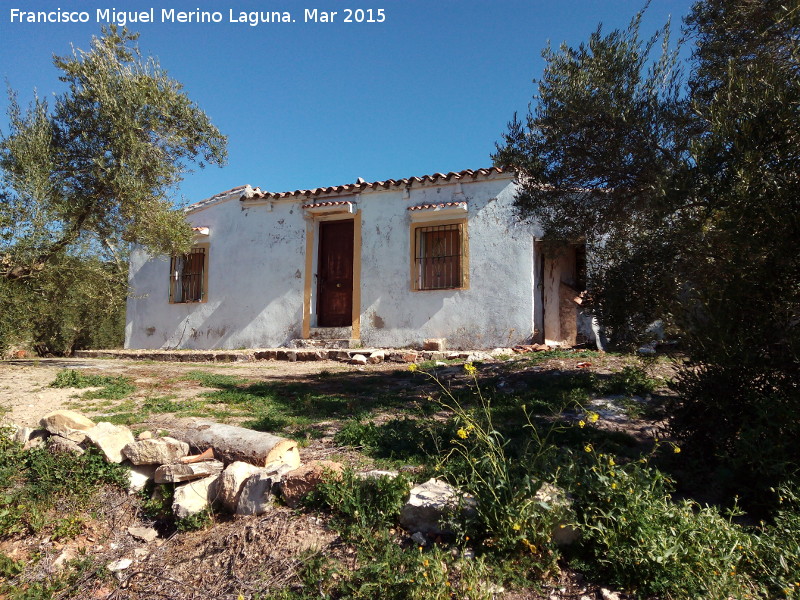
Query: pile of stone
[241, 471]
[234, 469]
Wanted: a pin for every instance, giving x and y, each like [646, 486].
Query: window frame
[416, 276]
[174, 278]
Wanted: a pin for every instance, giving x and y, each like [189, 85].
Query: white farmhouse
[382, 264]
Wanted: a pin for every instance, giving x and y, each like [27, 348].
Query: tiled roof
[316, 204]
[432, 206]
[361, 185]
[237, 191]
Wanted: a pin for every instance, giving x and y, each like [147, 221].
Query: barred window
[439, 257]
[188, 276]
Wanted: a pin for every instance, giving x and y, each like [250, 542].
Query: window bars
[187, 276]
[438, 259]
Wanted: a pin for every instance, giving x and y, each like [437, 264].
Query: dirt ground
[25, 395]
[225, 560]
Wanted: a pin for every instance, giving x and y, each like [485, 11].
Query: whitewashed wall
[497, 308]
[256, 276]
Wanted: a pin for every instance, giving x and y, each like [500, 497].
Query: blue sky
[313, 104]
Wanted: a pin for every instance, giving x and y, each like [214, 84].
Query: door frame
[312, 254]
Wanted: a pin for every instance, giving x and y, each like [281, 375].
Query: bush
[635, 536]
[362, 504]
[34, 481]
[744, 417]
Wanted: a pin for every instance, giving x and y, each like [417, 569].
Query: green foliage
[388, 570]
[79, 304]
[195, 522]
[397, 439]
[631, 381]
[81, 181]
[774, 555]
[34, 481]
[10, 567]
[362, 504]
[156, 500]
[637, 537]
[685, 197]
[111, 388]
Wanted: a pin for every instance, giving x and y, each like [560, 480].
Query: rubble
[155, 451]
[110, 440]
[194, 497]
[178, 473]
[68, 424]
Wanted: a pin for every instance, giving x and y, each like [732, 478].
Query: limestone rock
[429, 505]
[144, 435]
[277, 470]
[358, 359]
[194, 497]
[255, 497]
[119, 565]
[377, 357]
[143, 534]
[37, 438]
[23, 434]
[231, 482]
[554, 498]
[61, 445]
[68, 424]
[409, 356]
[155, 451]
[178, 473]
[66, 555]
[110, 439]
[139, 476]
[302, 480]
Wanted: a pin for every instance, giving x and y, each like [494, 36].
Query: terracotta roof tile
[332, 203]
[360, 185]
[442, 205]
[238, 190]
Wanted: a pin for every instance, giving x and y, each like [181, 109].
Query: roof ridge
[360, 184]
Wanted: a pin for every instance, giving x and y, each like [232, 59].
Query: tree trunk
[232, 443]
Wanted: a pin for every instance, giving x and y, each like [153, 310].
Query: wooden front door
[335, 274]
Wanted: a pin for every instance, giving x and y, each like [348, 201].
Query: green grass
[111, 388]
[295, 407]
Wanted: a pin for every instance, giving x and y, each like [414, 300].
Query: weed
[630, 381]
[156, 500]
[10, 567]
[397, 439]
[361, 504]
[37, 487]
[111, 388]
[195, 522]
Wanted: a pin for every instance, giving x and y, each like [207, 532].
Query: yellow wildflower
[588, 448]
[581, 423]
[592, 417]
[470, 368]
[462, 433]
[412, 367]
[516, 527]
[614, 486]
[676, 449]
[611, 462]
